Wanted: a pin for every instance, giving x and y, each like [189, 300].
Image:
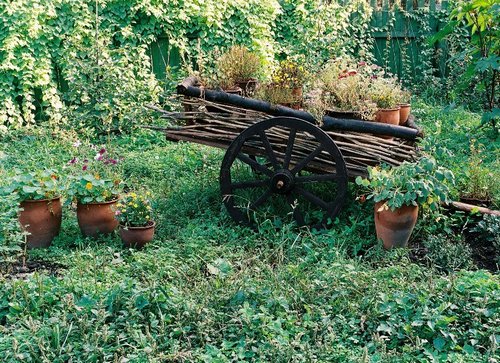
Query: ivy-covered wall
[87, 64]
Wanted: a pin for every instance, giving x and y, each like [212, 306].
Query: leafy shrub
[11, 237]
[448, 253]
[489, 229]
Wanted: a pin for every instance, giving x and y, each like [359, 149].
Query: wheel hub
[282, 182]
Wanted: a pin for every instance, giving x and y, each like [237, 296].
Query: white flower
[98, 156]
[77, 143]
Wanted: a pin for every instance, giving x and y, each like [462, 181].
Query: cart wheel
[284, 179]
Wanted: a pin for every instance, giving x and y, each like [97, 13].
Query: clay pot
[404, 112]
[137, 237]
[394, 227]
[297, 92]
[42, 219]
[248, 86]
[388, 116]
[95, 219]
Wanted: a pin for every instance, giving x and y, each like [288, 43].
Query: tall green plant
[482, 53]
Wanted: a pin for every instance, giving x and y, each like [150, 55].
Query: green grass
[208, 290]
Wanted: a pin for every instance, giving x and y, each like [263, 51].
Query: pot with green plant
[290, 76]
[384, 92]
[404, 106]
[134, 213]
[41, 211]
[398, 192]
[479, 185]
[239, 68]
[341, 89]
[96, 188]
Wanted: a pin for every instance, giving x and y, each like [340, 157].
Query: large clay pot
[137, 237]
[388, 116]
[394, 227]
[42, 219]
[95, 219]
[404, 112]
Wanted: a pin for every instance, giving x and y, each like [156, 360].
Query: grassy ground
[208, 290]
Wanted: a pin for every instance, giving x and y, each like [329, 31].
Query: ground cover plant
[208, 290]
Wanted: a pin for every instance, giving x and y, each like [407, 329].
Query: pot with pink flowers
[134, 213]
[95, 186]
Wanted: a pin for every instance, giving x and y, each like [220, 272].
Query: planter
[42, 219]
[388, 116]
[404, 112]
[394, 227]
[137, 237]
[297, 92]
[248, 86]
[95, 219]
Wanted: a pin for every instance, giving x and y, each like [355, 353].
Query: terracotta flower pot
[297, 92]
[248, 86]
[388, 116]
[394, 227]
[42, 219]
[96, 218]
[137, 237]
[404, 112]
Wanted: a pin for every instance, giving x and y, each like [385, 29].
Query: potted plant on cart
[398, 192]
[134, 213]
[404, 106]
[385, 93]
[41, 211]
[239, 68]
[341, 90]
[290, 77]
[95, 187]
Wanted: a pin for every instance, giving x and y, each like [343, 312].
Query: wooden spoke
[289, 148]
[312, 198]
[307, 160]
[255, 164]
[269, 150]
[316, 178]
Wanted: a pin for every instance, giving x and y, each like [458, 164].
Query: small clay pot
[404, 112]
[394, 227]
[137, 237]
[248, 86]
[95, 219]
[42, 219]
[388, 116]
[297, 92]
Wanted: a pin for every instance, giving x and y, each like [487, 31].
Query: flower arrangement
[421, 183]
[289, 75]
[35, 185]
[94, 180]
[134, 210]
[238, 64]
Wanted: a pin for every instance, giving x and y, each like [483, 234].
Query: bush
[448, 253]
[11, 237]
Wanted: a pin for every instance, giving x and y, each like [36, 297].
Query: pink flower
[85, 161]
[73, 161]
[362, 64]
[98, 156]
[351, 72]
[102, 151]
[117, 213]
[84, 167]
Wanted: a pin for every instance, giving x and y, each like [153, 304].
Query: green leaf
[439, 343]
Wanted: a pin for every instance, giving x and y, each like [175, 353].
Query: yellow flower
[97, 176]
[133, 195]
[124, 210]
[135, 205]
[88, 186]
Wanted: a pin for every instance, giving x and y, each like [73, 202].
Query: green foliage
[11, 237]
[482, 53]
[238, 64]
[134, 210]
[96, 179]
[489, 229]
[448, 253]
[420, 183]
[36, 185]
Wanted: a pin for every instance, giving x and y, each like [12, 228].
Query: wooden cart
[279, 160]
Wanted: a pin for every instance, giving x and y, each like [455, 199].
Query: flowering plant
[385, 92]
[289, 75]
[134, 210]
[35, 185]
[94, 180]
